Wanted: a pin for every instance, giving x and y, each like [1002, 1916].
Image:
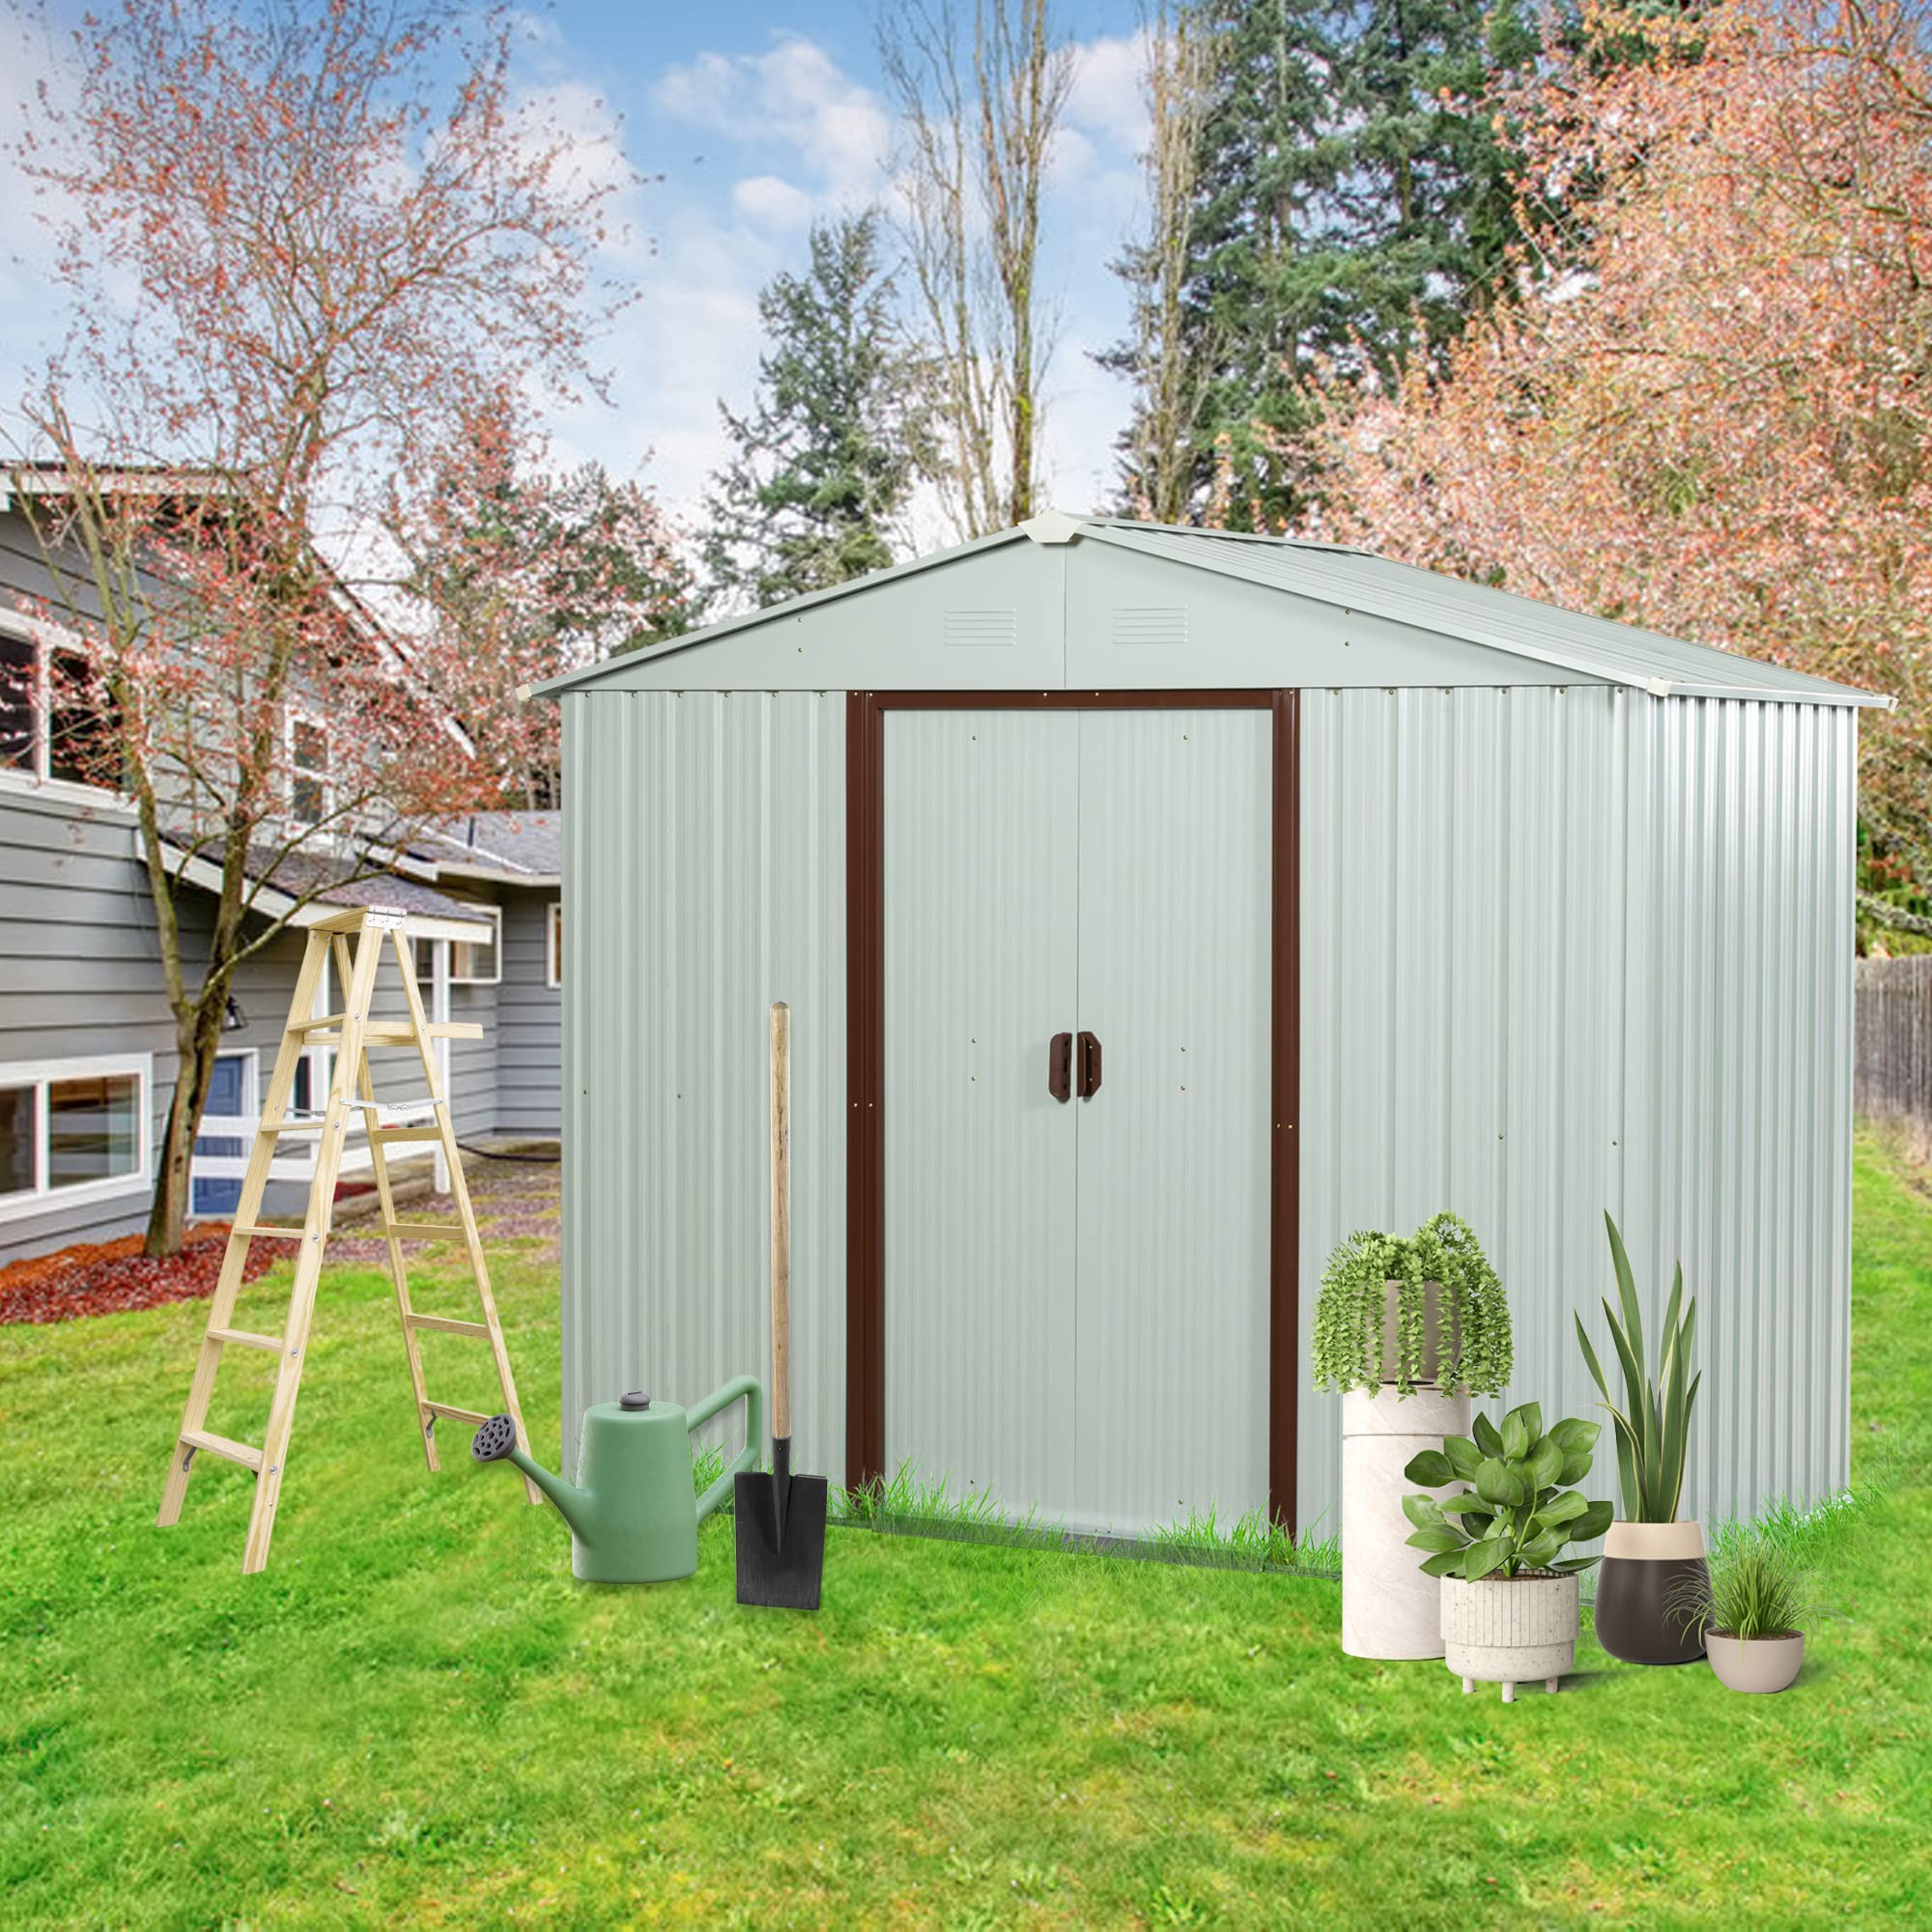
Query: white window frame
[293, 1157]
[553, 945]
[36, 777]
[43, 1197]
[494, 915]
[297, 772]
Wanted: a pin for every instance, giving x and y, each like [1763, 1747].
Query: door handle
[1060, 1065]
[1090, 1065]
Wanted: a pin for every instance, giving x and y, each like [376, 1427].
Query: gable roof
[1356, 580]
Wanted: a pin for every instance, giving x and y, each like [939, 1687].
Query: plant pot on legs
[1510, 1630]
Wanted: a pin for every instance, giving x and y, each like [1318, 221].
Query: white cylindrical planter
[1510, 1630]
[1389, 1606]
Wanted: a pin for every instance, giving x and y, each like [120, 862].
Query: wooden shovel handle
[781, 1219]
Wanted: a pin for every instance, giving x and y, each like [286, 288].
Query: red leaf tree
[1709, 411]
[304, 246]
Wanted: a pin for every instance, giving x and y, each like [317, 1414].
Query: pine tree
[1262, 171]
[1350, 204]
[825, 456]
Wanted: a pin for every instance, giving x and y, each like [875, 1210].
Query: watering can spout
[496, 1442]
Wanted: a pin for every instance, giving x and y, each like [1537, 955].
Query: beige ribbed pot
[1759, 1664]
[1510, 1630]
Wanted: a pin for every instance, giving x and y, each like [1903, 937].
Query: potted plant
[1423, 1318]
[1508, 1593]
[1750, 1613]
[1650, 1555]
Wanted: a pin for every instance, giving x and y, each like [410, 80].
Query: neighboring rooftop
[517, 847]
[282, 882]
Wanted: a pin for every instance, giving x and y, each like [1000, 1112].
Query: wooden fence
[1892, 1076]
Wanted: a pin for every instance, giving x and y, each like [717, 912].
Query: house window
[478, 962]
[55, 723]
[308, 770]
[553, 951]
[73, 1130]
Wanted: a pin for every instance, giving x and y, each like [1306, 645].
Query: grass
[415, 1716]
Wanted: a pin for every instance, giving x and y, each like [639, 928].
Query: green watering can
[634, 1520]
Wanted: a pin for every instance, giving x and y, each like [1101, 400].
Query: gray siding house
[87, 1061]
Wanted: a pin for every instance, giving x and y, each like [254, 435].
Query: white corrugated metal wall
[1569, 949]
[705, 877]
[1563, 948]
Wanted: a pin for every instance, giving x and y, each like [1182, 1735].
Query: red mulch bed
[111, 1277]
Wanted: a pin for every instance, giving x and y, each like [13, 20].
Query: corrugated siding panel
[1570, 949]
[981, 970]
[1176, 823]
[705, 876]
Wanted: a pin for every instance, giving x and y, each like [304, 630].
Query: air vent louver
[982, 627]
[1140, 626]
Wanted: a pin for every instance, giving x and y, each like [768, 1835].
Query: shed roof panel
[904, 627]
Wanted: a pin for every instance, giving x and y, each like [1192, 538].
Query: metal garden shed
[1155, 906]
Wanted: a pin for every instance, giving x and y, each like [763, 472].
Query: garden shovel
[780, 1517]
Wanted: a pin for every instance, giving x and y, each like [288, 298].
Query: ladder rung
[403, 1114]
[243, 1339]
[220, 1445]
[254, 1229]
[306, 1126]
[400, 1033]
[468, 1416]
[320, 1020]
[405, 1133]
[444, 1325]
[424, 1231]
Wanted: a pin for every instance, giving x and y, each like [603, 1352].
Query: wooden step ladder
[351, 1032]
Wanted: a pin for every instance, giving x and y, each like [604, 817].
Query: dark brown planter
[1646, 1568]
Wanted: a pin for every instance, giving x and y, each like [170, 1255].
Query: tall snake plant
[1653, 1428]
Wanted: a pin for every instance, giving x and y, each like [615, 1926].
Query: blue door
[221, 1194]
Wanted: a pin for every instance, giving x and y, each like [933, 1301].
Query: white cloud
[1106, 98]
[772, 203]
[793, 95]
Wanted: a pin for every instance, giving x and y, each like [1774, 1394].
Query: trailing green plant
[1758, 1587]
[1653, 1428]
[1475, 1316]
[1522, 1510]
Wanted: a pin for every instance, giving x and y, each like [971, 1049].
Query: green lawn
[414, 1715]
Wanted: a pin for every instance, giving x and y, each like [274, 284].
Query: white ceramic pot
[1510, 1630]
[1390, 1608]
[1759, 1664]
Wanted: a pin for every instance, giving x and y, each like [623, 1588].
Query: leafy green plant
[1653, 1428]
[1760, 1587]
[1475, 1316]
[1522, 1511]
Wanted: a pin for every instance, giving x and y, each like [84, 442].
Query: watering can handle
[749, 1387]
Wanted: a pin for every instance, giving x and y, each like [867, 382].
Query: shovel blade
[780, 1572]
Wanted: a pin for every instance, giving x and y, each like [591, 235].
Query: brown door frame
[864, 1051]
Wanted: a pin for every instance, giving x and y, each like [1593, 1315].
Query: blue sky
[758, 118]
